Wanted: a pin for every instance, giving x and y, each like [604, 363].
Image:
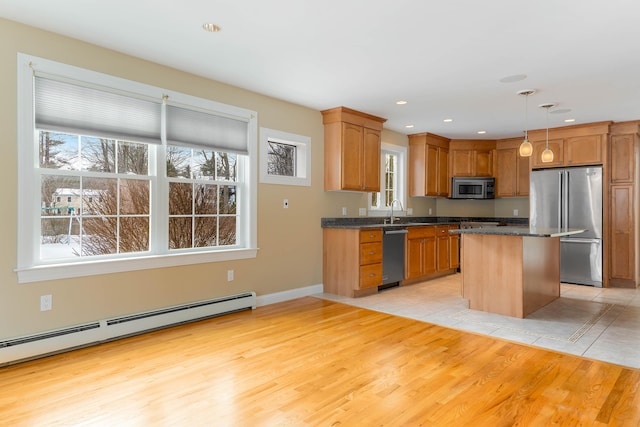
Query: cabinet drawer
[420, 232]
[372, 235]
[370, 253]
[371, 275]
[442, 230]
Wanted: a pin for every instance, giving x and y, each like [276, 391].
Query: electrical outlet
[46, 302]
[344, 211]
[362, 211]
[515, 212]
[229, 275]
[285, 203]
[409, 211]
[430, 211]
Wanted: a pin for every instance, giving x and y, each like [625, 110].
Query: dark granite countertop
[409, 221]
[521, 231]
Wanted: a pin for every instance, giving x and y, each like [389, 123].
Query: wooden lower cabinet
[352, 261]
[454, 248]
[622, 242]
[420, 253]
[430, 251]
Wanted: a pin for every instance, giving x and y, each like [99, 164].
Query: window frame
[303, 157]
[29, 266]
[401, 173]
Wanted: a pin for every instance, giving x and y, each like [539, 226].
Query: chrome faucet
[393, 203]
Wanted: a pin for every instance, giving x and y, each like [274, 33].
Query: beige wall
[498, 208]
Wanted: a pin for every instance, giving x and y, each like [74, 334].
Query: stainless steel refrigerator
[571, 198]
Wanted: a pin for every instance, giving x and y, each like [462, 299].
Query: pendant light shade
[547, 154]
[526, 149]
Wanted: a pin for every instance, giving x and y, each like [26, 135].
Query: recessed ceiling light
[212, 28]
[401, 102]
[482, 132]
[569, 120]
[513, 78]
[447, 120]
[408, 126]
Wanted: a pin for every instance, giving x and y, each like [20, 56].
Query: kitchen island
[512, 271]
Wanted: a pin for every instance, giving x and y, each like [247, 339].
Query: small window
[285, 158]
[392, 164]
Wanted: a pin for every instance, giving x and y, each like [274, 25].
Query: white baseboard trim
[288, 295]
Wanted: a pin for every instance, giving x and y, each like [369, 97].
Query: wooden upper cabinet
[462, 163]
[471, 158]
[483, 163]
[621, 158]
[583, 150]
[580, 145]
[506, 172]
[443, 172]
[352, 164]
[371, 158]
[555, 145]
[428, 165]
[351, 150]
[431, 178]
[512, 173]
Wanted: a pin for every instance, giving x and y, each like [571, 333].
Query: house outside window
[151, 177]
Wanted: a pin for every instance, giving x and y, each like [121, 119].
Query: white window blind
[70, 108]
[197, 129]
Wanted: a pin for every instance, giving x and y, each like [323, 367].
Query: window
[392, 167]
[285, 158]
[116, 175]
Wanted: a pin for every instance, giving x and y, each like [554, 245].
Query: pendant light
[526, 149]
[547, 154]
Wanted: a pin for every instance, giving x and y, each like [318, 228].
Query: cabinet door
[417, 168]
[555, 145]
[506, 172]
[414, 258]
[483, 163]
[431, 179]
[461, 162]
[454, 251]
[523, 178]
[443, 253]
[621, 254]
[371, 160]
[621, 159]
[429, 255]
[583, 150]
[352, 155]
[443, 172]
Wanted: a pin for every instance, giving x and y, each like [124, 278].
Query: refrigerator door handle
[579, 240]
[560, 197]
[565, 200]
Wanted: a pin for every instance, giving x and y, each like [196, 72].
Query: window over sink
[392, 181]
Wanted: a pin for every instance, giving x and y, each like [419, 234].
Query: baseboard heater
[28, 347]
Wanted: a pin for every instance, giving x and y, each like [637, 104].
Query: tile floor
[597, 323]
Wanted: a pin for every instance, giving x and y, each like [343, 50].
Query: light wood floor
[315, 362]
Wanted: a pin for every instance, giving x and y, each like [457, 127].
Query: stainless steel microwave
[473, 188]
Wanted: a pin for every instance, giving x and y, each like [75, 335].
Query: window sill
[92, 268]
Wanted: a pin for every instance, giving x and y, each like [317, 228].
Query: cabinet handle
[371, 236]
[372, 274]
[372, 253]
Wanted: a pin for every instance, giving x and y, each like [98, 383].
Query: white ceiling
[445, 58]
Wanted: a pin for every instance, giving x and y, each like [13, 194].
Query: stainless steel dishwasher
[393, 244]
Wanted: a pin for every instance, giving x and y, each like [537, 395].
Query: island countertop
[520, 231]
